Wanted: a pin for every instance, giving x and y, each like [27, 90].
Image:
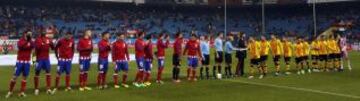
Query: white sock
[342, 64]
[349, 65]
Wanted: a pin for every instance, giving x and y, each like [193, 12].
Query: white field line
[297, 88]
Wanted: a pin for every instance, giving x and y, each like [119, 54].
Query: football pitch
[324, 86]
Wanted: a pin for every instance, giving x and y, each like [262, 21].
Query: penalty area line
[297, 88]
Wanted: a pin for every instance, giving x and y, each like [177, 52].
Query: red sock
[188, 72]
[160, 70]
[67, 80]
[124, 78]
[85, 79]
[139, 76]
[99, 79]
[57, 81]
[103, 79]
[23, 85]
[36, 82]
[12, 85]
[48, 81]
[193, 74]
[81, 80]
[116, 79]
[147, 76]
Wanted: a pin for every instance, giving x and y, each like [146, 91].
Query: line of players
[197, 51]
[323, 54]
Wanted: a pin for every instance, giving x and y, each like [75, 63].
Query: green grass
[237, 89]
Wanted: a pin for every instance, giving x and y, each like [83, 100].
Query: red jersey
[120, 51]
[161, 46]
[65, 49]
[178, 46]
[42, 47]
[25, 47]
[139, 48]
[149, 51]
[85, 47]
[104, 49]
[192, 48]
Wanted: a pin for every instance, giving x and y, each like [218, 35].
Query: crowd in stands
[286, 20]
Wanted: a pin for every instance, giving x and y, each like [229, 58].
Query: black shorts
[276, 58]
[305, 58]
[287, 59]
[332, 56]
[338, 55]
[254, 61]
[323, 57]
[314, 57]
[228, 58]
[298, 60]
[263, 58]
[219, 57]
[176, 60]
[206, 60]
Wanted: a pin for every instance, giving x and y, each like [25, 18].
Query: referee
[218, 54]
[241, 55]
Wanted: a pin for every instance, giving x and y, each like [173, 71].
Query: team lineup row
[325, 55]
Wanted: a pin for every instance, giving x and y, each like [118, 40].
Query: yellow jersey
[287, 48]
[306, 48]
[254, 50]
[264, 48]
[299, 50]
[276, 47]
[323, 47]
[314, 48]
[337, 47]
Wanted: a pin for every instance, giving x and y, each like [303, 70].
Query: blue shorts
[121, 66]
[148, 65]
[22, 68]
[103, 65]
[140, 63]
[161, 63]
[84, 65]
[193, 62]
[43, 65]
[64, 66]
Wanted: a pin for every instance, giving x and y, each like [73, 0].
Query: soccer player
[254, 54]
[120, 56]
[43, 44]
[229, 48]
[337, 53]
[64, 50]
[161, 46]
[287, 52]
[306, 54]
[218, 53]
[103, 62]
[276, 50]
[205, 54]
[178, 44]
[344, 52]
[140, 58]
[148, 60]
[85, 48]
[264, 52]
[334, 50]
[314, 51]
[193, 51]
[299, 53]
[22, 67]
